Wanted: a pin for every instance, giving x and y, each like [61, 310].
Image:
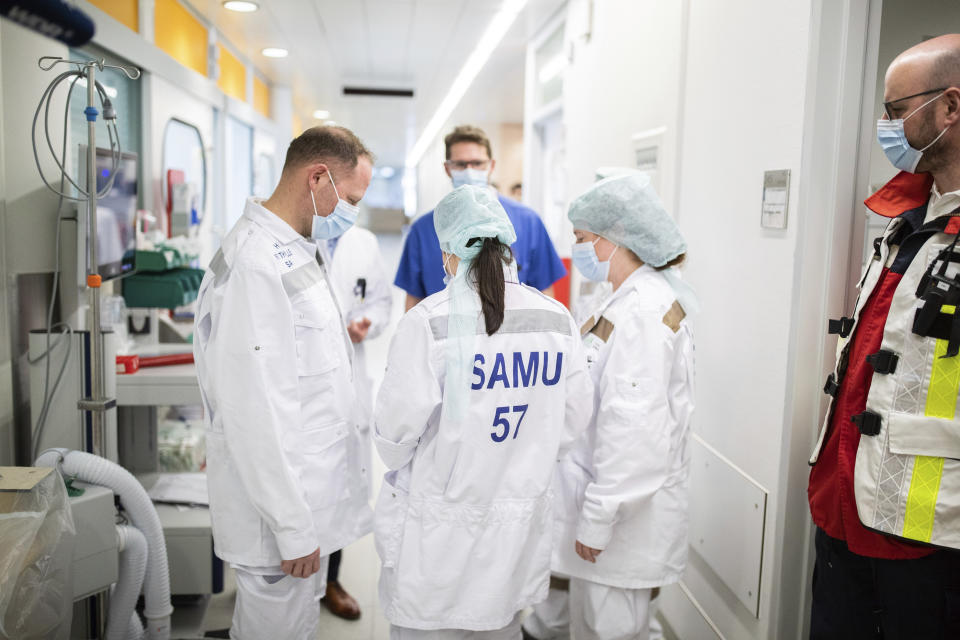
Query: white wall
[27, 208]
[742, 114]
[624, 80]
[509, 156]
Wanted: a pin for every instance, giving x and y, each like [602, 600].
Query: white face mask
[475, 177]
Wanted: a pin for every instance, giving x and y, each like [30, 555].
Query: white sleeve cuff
[296, 544]
[394, 454]
[593, 534]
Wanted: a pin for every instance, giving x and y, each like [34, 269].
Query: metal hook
[56, 59]
[131, 72]
[133, 75]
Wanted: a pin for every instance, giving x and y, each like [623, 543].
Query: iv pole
[96, 405]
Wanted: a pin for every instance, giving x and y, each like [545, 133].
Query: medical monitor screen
[116, 215]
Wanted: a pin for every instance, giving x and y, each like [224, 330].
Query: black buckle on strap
[883, 361]
[831, 387]
[867, 422]
[843, 326]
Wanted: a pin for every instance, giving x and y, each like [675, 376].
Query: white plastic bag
[36, 538]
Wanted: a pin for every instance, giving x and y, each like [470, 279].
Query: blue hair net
[626, 210]
[471, 212]
[466, 212]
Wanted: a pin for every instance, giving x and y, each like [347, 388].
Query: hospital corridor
[479, 319]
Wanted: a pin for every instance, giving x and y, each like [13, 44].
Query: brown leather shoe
[340, 603]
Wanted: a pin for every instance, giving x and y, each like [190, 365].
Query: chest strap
[867, 422]
[831, 387]
[843, 326]
[883, 362]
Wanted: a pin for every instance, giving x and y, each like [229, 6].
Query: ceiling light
[330, 123]
[387, 172]
[241, 6]
[321, 114]
[275, 52]
[481, 53]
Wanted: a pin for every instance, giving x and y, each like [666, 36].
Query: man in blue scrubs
[469, 161]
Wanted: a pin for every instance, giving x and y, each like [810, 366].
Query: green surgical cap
[626, 210]
[471, 212]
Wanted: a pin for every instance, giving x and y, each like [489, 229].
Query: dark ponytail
[487, 271]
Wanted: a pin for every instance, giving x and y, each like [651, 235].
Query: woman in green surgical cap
[486, 387]
[624, 485]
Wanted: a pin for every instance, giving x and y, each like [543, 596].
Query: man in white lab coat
[274, 364]
[363, 290]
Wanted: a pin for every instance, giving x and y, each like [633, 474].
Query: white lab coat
[273, 360]
[624, 484]
[463, 523]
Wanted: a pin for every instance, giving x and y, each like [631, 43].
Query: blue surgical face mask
[475, 177]
[893, 139]
[343, 217]
[585, 259]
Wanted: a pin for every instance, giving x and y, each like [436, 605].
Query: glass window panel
[183, 151]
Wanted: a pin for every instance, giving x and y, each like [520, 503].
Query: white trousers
[592, 611]
[273, 605]
[509, 632]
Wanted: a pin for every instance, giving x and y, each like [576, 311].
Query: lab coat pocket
[320, 456]
[388, 519]
[318, 347]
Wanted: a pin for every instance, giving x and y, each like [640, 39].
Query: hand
[588, 553]
[302, 567]
[358, 330]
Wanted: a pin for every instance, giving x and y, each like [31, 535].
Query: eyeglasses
[460, 165]
[886, 105]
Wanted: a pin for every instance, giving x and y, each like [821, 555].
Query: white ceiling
[408, 44]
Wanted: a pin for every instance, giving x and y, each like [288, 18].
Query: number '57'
[501, 423]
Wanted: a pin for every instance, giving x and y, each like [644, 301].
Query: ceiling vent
[379, 92]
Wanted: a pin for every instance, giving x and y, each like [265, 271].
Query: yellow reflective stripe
[922, 498]
[944, 380]
[927, 470]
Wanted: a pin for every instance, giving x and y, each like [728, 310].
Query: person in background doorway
[274, 367]
[362, 288]
[884, 488]
[485, 389]
[470, 161]
[516, 191]
[622, 512]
